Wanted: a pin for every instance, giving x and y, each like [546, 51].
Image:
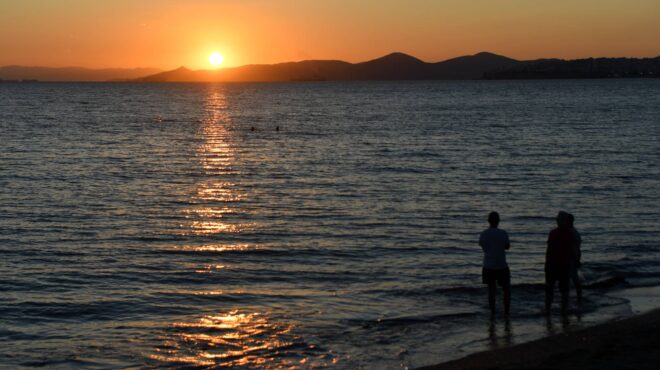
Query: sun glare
[216, 58]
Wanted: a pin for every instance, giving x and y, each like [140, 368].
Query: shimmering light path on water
[150, 225]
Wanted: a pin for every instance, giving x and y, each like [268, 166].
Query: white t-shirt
[494, 241]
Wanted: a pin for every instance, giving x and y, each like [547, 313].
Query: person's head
[562, 219]
[570, 219]
[494, 219]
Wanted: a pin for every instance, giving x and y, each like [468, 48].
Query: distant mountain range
[395, 66]
[579, 68]
[72, 73]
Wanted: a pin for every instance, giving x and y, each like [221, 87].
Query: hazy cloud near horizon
[167, 34]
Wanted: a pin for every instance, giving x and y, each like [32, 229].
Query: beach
[631, 343]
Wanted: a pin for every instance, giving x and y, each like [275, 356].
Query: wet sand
[632, 343]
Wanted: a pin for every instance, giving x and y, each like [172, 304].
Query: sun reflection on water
[216, 248]
[233, 339]
[211, 203]
[215, 227]
[209, 268]
[236, 338]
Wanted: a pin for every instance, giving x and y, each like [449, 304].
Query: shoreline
[629, 343]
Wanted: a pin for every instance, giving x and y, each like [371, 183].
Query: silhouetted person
[277, 128]
[252, 128]
[577, 261]
[494, 242]
[559, 258]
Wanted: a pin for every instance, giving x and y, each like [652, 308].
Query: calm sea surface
[148, 225]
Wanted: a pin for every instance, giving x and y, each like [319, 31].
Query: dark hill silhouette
[579, 68]
[179, 74]
[473, 66]
[395, 66]
[72, 73]
[305, 70]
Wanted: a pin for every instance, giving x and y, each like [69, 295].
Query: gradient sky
[170, 33]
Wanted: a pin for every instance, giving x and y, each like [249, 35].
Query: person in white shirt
[494, 242]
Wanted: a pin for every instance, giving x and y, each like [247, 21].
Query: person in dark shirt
[559, 259]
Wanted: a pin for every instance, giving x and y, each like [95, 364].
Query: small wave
[607, 283]
[220, 296]
[425, 154]
[412, 319]
[248, 249]
[399, 170]
[456, 291]
[73, 363]
[35, 311]
[17, 335]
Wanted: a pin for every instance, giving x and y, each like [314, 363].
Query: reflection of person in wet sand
[559, 258]
[494, 242]
[503, 340]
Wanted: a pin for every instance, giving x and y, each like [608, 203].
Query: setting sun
[216, 58]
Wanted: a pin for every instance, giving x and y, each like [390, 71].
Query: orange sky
[170, 33]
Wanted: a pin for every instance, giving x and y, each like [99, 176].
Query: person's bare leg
[578, 287]
[491, 296]
[549, 292]
[564, 301]
[507, 299]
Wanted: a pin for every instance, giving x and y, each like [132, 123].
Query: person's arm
[507, 243]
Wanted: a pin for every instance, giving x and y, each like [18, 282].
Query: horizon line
[318, 60]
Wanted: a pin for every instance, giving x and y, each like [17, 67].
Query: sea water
[324, 224]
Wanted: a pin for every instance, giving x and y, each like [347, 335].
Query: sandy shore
[632, 343]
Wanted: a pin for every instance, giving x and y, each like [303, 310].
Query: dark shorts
[558, 274]
[502, 277]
